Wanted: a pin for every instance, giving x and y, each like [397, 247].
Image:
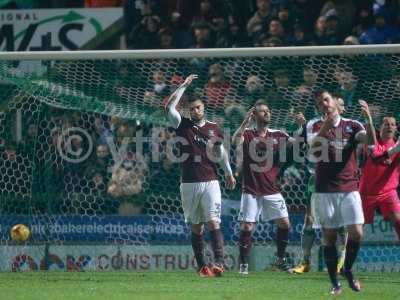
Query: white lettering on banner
[379, 231]
[110, 228]
[166, 258]
[53, 29]
[103, 258]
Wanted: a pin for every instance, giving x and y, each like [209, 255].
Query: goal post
[72, 123]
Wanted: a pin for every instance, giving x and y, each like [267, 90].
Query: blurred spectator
[181, 37]
[363, 20]
[203, 37]
[28, 143]
[286, 18]
[124, 133]
[345, 11]
[380, 32]
[309, 85]
[304, 93]
[332, 32]
[235, 35]
[15, 171]
[260, 20]
[275, 30]
[351, 40]
[217, 87]
[166, 38]
[206, 13]
[306, 12]
[319, 36]
[157, 91]
[280, 93]
[348, 86]
[102, 3]
[270, 42]
[145, 34]
[101, 133]
[253, 91]
[164, 181]
[300, 36]
[127, 183]
[102, 161]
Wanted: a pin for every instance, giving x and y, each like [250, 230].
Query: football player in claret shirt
[310, 222]
[201, 147]
[262, 148]
[380, 176]
[337, 201]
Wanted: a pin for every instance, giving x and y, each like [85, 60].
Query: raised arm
[238, 138]
[369, 137]
[174, 116]
[300, 121]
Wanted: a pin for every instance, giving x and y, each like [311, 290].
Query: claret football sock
[352, 248]
[217, 245]
[282, 236]
[198, 249]
[245, 243]
[331, 258]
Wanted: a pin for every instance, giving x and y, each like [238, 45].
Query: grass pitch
[187, 285]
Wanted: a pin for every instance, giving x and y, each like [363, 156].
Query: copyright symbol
[65, 145]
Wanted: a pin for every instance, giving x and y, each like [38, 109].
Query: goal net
[83, 143]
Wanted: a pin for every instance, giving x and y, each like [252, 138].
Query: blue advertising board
[141, 229]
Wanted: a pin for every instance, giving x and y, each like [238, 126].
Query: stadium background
[88, 215]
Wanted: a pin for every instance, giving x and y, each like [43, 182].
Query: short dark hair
[261, 102]
[191, 100]
[319, 92]
[194, 99]
[388, 117]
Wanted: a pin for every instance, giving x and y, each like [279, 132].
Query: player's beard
[263, 123]
[198, 119]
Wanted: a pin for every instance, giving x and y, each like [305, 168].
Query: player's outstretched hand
[364, 108]
[230, 182]
[249, 117]
[329, 121]
[189, 79]
[299, 118]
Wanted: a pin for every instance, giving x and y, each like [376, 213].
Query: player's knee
[309, 220]
[197, 228]
[245, 226]
[395, 218]
[356, 235]
[330, 238]
[355, 232]
[213, 225]
[283, 223]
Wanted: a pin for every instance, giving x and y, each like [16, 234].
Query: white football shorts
[316, 223]
[201, 201]
[334, 210]
[253, 208]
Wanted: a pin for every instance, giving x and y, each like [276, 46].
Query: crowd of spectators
[157, 24]
[263, 23]
[52, 168]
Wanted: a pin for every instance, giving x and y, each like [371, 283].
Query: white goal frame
[191, 53]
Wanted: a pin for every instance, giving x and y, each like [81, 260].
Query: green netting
[42, 100]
